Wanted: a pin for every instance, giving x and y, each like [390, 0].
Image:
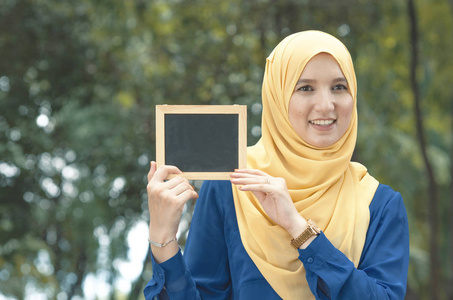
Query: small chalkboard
[203, 141]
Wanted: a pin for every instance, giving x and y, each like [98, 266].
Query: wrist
[306, 236]
[308, 242]
[162, 254]
[297, 226]
[161, 245]
[160, 236]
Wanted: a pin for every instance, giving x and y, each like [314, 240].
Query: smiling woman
[321, 106]
[303, 221]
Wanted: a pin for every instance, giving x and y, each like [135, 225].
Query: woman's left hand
[274, 197]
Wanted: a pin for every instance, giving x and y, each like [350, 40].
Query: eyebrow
[306, 80]
[340, 79]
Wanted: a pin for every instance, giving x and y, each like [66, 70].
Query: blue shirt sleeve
[203, 271]
[175, 276]
[382, 271]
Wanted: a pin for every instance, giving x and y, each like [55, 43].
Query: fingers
[174, 186]
[186, 195]
[175, 190]
[183, 190]
[250, 172]
[245, 176]
[261, 188]
[258, 182]
[161, 173]
[152, 170]
[249, 180]
[175, 198]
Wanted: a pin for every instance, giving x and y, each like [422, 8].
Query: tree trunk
[450, 221]
[411, 294]
[432, 201]
[76, 288]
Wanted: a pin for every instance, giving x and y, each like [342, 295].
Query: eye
[305, 88]
[339, 87]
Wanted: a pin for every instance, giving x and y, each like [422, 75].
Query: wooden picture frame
[206, 142]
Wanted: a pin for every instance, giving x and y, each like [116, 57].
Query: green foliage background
[79, 81]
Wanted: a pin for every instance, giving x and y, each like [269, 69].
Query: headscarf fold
[323, 182]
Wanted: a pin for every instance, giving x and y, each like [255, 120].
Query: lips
[324, 123]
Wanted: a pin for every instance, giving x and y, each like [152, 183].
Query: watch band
[158, 245]
[311, 230]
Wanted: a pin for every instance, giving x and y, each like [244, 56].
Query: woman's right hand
[166, 200]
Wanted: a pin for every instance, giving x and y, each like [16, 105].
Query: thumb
[152, 170]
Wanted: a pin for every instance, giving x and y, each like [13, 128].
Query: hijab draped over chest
[324, 184]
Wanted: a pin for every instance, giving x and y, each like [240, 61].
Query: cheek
[347, 112]
[292, 110]
[296, 114]
[296, 109]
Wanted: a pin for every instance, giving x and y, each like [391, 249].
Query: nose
[324, 102]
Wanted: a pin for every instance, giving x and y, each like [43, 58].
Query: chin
[322, 144]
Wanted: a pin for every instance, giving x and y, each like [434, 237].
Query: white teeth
[322, 122]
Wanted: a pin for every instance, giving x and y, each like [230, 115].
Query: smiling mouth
[322, 122]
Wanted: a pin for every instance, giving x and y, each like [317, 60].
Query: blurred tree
[450, 209]
[65, 128]
[433, 206]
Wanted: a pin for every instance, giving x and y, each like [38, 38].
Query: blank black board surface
[205, 142]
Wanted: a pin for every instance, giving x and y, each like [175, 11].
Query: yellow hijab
[324, 184]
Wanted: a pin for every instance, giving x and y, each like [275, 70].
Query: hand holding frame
[273, 195]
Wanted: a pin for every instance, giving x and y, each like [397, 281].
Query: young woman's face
[320, 108]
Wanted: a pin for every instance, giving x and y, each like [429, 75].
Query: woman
[303, 221]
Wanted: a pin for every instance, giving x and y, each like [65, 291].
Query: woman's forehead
[323, 64]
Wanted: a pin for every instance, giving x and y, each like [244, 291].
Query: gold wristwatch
[311, 230]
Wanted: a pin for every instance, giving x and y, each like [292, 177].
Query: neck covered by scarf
[323, 182]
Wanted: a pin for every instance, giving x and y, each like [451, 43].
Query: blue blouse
[215, 264]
